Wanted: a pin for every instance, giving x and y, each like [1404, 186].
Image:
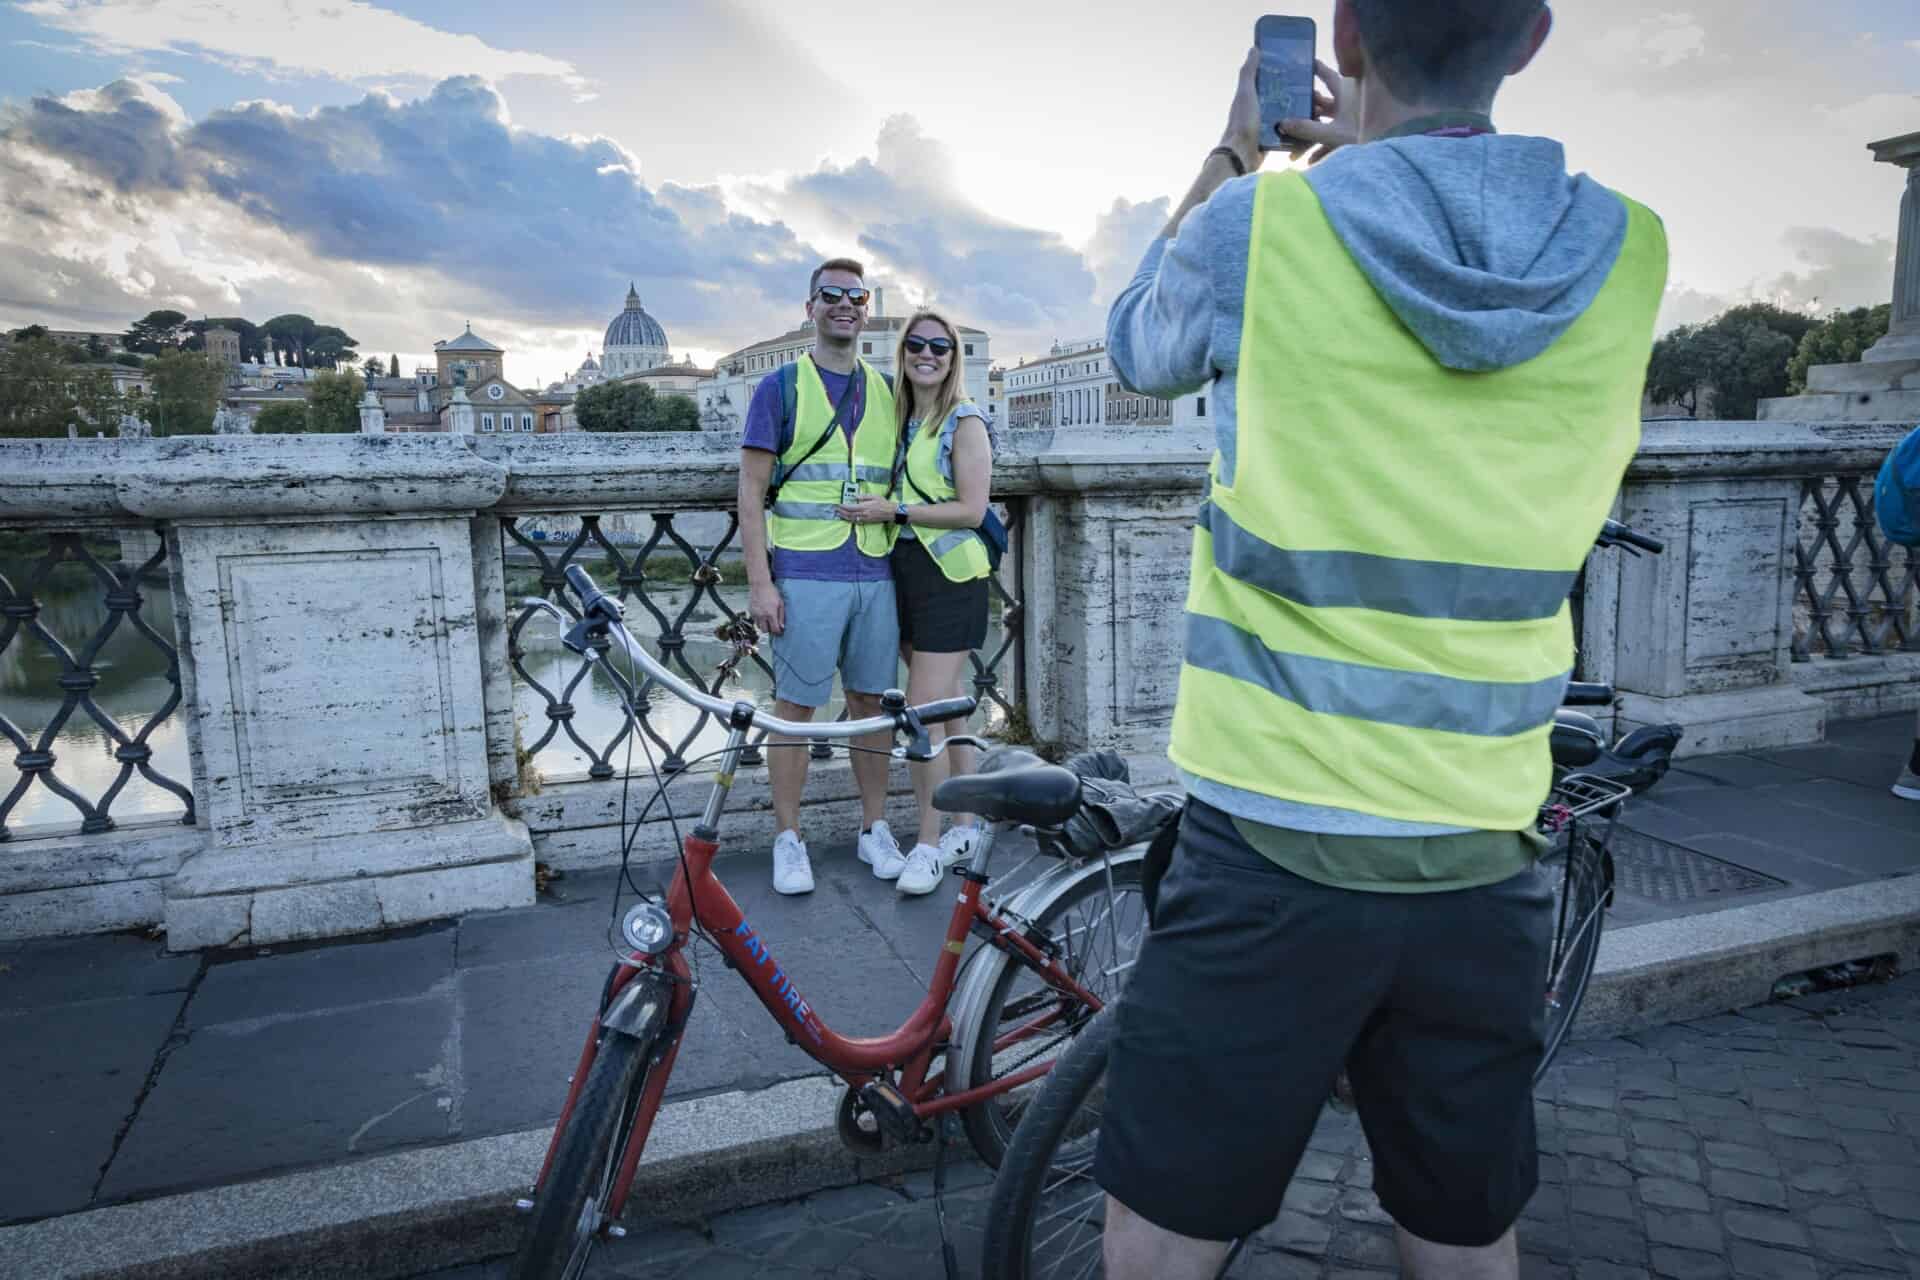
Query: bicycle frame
[697, 894]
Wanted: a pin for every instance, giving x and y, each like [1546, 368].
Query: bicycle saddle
[1577, 740]
[1012, 786]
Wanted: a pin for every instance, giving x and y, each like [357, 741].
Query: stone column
[373, 416]
[460, 413]
[1706, 630]
[1106, 589]
[330, 646]
[1903, 335]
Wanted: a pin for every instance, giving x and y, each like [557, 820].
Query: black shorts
[937, 615]
[1256, 987]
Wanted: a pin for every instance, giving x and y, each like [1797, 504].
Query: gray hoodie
[1484, 247]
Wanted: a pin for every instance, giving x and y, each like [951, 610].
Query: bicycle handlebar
[598, 606]
[1582, 694]
[1615, 534]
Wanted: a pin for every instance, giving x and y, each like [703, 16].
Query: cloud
[1836, 272]
[346, 40]
[390, 215]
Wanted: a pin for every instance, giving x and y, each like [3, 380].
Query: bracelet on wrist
[1233, 158]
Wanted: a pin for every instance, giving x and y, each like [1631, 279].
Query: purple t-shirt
[844, 563]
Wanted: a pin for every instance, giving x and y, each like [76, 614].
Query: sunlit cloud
[347, 40]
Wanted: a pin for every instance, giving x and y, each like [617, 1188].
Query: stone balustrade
[345, 653]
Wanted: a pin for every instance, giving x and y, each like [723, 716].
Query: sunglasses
[831, 294]
[941, 346]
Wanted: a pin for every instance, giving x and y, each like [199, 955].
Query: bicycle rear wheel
[565, 1224]
[1096, 929]
[1048, 1213]
[1582, 892]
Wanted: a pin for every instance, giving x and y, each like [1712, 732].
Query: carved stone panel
[1736, 579]
[1150, 564]
[337, 679]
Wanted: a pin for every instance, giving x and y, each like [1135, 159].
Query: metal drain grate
[1651, 869]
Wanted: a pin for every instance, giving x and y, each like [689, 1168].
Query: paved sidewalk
[126, 1074]
[1775, 1144]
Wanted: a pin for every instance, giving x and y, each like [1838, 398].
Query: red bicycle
[1051, 957]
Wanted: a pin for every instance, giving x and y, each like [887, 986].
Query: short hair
[1444, 52]
[835, 264]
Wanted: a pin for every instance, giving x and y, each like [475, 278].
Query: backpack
[1896, 492]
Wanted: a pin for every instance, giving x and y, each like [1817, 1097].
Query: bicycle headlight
[647, 928]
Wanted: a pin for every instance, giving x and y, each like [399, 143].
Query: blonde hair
[946, 397]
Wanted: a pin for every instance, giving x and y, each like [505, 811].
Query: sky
[405, 169]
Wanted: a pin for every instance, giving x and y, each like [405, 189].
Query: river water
[133, 686]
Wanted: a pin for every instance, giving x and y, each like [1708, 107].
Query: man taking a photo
[825, 596]
[1430, 350]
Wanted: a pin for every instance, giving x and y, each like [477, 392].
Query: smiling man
[820, 433]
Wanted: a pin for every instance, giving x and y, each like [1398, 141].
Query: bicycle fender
[970, 997]
[640, 1010]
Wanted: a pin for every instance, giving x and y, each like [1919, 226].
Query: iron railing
[632, 568]
[1856, 590]
[21, 624]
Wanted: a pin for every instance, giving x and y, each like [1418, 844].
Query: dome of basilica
[634, 330]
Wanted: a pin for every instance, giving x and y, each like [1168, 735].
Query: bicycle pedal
[890, 1107]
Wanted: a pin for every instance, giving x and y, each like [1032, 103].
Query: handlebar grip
[1614, 531]
[946, 709]
[1581, 694]
[592, 598]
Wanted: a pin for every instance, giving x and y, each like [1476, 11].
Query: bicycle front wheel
[1095, 927]
[1048, 1213]
[1582, 892]
[565, 1224]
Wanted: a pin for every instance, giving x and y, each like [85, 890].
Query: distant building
[683, 378]
[634, 341]
[1074, 385]
[223, 345]
[467, 359]
[996, 395]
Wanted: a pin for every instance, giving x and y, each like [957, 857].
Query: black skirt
[936, 615]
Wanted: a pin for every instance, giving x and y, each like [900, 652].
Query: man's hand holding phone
[1336, 122]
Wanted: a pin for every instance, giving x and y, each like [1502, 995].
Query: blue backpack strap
[789, 375]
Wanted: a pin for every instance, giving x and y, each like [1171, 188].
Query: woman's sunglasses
[831, 294]
[941, 346]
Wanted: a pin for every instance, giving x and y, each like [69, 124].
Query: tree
[128, 360]
[157, 331]
[1739, 357]
[95, 348]
[186, 392]
[330, 347]
[1842, 338]
[95, 402]
[633, 406]
[393, 366]
[36, 390]
[253, 343]
[31, 331]
[375, 368]
[333, 401]
[284, 419]
[289, 335]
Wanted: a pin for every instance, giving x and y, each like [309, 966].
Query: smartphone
[1285, 79]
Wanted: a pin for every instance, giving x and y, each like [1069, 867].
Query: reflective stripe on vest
[803, 516]
[961, 555]
[1377, 615]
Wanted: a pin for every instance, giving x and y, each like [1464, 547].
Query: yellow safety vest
[802, 518]
[1377, 618]
[959, 552]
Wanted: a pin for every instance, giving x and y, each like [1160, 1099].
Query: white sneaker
[792, 872]
[923, 871]
[879, 850]
[957, 844]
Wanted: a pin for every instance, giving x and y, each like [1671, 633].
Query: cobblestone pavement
[1774, 1144]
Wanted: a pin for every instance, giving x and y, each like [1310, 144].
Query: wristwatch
[900, 514]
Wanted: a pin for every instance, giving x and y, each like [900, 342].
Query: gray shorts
[849, 627]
